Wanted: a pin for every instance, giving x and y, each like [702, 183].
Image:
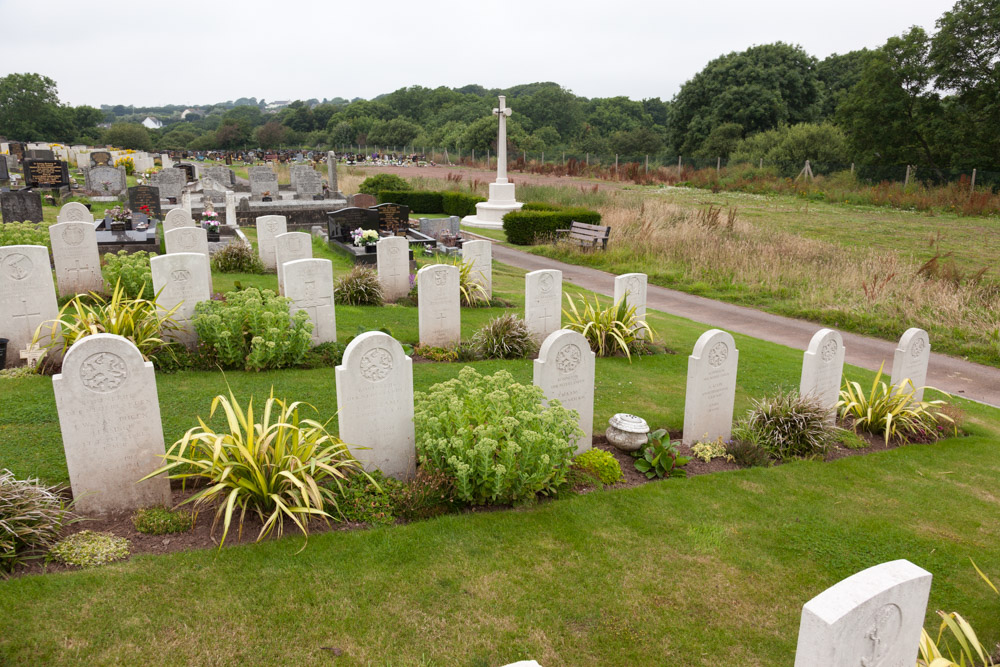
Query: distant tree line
[926, 100]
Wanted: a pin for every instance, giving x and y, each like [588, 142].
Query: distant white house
[274, 106]
[152, 123]
[188, 112]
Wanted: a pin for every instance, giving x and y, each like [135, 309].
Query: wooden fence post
[647, 164]
[679, 159]
[906, 181]
[972, 188]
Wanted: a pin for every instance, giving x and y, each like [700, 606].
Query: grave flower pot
[265, 199]
[370, 249]
[212, 236]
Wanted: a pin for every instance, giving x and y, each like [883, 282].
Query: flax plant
[608, 330]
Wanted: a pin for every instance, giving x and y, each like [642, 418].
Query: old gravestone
[46, 173]
[543, 302]
[190, 173]
[289, 247]
[106, 180]
[564, 370]
[309, 284]
[185, 280]
[74, 252]
[376, 372]
[393, 260]
[186, 239]
[438, 306]
[306, 181]
[263, 180]
[711, 388]
[331, 173]
[170, 182]
[268, 228]
[480, 253]
[910, 359]
[632, 288]
[222, 175]
[100, 158]
[436, 227]
[27, 296]
[4, 169]
[822, 369]
[40, 154]
[21, 206]
[362, 200]
[145, 195]
[74, 211]
[177, 218]
[342, 222]
[109, 415]
[872, 619]
[393, 218]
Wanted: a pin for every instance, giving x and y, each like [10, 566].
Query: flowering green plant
[364, 237]
[120, 214]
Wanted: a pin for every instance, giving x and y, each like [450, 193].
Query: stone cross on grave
[440, 321]
[32, 354]
[79, 270]
[312, 303]
[502, 113]
[545, 317]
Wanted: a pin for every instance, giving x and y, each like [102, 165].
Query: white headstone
[632, 288]
[231, 209]
[176, 218]
[74, 211]
[186, 239]
[289, 247]
[543, 302]
[871, 619]
[823, 368]
[375, 404]
[309, 284]
[909, 361]
[480, 253]
[268, 227]
[27, 296]
[711, 387]
[438, 305]
[186, 202]
[564, 370]
[393, 258]
[167, 163]
[109, 416]
[185, 279]
[74, 252]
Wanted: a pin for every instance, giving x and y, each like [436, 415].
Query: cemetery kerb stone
[109, 415]
[77, 262]
[711, 388]
[21, 206]
[910, 359]
[145, 195]
[393, 260]
[106, 180]
[186, 239]
[872, 618]
[268, 227]
[823, 368]
[543, 302]
[27, 295]
[632, 288]
[375, 404]
[185, 280]
[438, 306]
[74, 211]
[480, 253]
[46, 173]
[263, 179]
[289, 247]
[564, 370]
[310, 287]
[170, 182]
[175, 219]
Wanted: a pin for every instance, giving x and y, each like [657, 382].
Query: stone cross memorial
[309, 284]
[74, 251]
[331, 172]
[822, 369]
[871, 619]
[543, 302]
[27, 296]
[109, 416]
[175, 219]
[910, 359]
[480, 253]
[711, 388]
[288, 247]
[438, 305]
[186, 239]
[393, 258]
[185, 280]
[632, 288]
[564, 370]
[375, 404]
[489, 214]
[268, 228]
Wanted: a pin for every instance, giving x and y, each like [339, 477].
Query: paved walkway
[955, 376]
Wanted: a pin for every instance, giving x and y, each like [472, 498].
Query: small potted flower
[120, 219]
[210, 221]
[365, 238]
[265, 195]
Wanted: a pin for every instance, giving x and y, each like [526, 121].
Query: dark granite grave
[188, 169]
[341, 223]
[46, 173]
[145, 195]
[21, 206]
[393, 218]
[4, 170]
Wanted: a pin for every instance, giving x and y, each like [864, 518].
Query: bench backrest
[581, 231]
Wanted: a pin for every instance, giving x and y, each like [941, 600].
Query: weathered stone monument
[711, 388]
[186, 239]
[109, 416]
[823, 368]
[268, 228]
[27, 296]
[632, 288]
[438, 305]
[74, 252]
[480, 253]
[108, 181]
[309, 284]
[263, 180]
[393, 259]
[185, 280]
[543, 302]
[289, 247]
[331, 174]
[375, 404]
[21, 206]
[564, 370]
[307, 181]
[170, 182]
[489, 214]
[910, 360]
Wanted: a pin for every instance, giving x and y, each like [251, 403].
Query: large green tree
[129, 135]
[30, 109]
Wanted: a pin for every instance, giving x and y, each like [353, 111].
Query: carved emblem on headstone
[885, 626]
[376, 364]
[180, 275]
[393, 250]
[272, 226]
[73, 235]
[440, 277]
[103, 372]
[295, 244]
[918, 347]
[718, 355]
[829, 350]
[568, 358]
[632, 286]
[546, 283]
[187, 239]
[74, 215]
[17, 266]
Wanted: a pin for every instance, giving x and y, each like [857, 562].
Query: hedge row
[538, 221]
[423, 201]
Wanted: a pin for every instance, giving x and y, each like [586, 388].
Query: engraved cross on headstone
[439, 323]
[25, 314]
[311, 304]
[502, 113]
[545, 317]
[78, 270]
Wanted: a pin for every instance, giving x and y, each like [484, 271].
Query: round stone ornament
[627, 432]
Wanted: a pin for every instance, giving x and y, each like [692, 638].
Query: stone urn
[627, 432]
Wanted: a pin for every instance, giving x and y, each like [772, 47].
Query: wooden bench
[588, 236]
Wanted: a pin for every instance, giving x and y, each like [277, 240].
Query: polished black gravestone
[393, 218]
[4, 170]
[342, 222]
[145, 195]
[46, 173]
[21, 206]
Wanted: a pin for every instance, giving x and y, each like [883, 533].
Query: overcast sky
[204, 51]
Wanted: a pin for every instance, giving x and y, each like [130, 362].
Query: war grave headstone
[361, 200]
[100, 158]
[376, 372]
[564, 370]
[263, 180]
[711, 388]
[185, 280]
[632, 288]
[74, 252]
[393, 218]
[186, 239]
[872, 618]
[307, 181]
[823, 368]
[393, 262]
[438, 306]
[40, 154]
[910, 360]
[74, 211]
[480, 253]
[543, 302]
[268, 227]
[170, 182]
[21, 206]
[190, 173]
[289, 247]
[46, 174]
[106, 180]
[176, 218]
[27, 296]
[165, 161]
[145, 195]
[309, 284]
[342, 222]
[109, 415]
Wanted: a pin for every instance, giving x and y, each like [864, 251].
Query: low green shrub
[25, 233]
[459, 203]
[89, 549]
[746, 449]
[431, 493]
[659, 457]
[132, 270]
[367, 499]
[379, 182]
[359, 287]
[432, 353]
[495, 438]
[237, 257]
[324, 355]
[527, 227]
[31, 516]
[419, 201]
[504, 337]
[601, 465]
[162, 521]
[706, 451]
[18, 372]
[788, 426]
